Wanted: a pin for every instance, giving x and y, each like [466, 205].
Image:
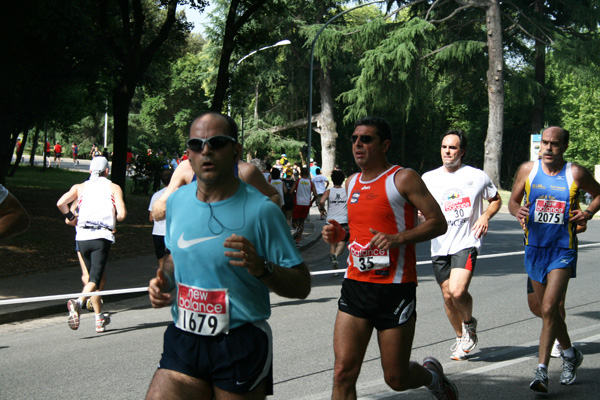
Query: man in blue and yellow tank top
[550, 217]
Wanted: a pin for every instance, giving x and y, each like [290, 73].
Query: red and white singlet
[377, 204]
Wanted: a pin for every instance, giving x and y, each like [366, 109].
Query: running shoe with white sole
[556, 350]
[469, 335]
[570, 365]
[445, 388]
[101, 322]
[540, 382]
[90, 306]
[458, 354]
[334, 263]
[74, 310]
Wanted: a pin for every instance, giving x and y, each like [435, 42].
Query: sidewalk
[121, 274]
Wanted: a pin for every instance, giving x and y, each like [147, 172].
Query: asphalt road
[44, 359]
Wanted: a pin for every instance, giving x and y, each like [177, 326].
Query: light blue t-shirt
[195, 235]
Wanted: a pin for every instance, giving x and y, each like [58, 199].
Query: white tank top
[338, 205]
[303, 192]
[97, 213]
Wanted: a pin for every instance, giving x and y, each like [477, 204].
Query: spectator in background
[159, 228]
[321, 184]
[174, 161]
[13, 217]
[278, 185]
[128, 159]
[283, 160]
[313, 168]
[266, 170]
[57, 154]
[305, 195]
[296, 170]
[288, 197]
[75, 151]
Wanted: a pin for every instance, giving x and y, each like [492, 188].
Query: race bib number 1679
[202, 311]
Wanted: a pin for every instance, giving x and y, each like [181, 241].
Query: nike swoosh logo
[182, 243]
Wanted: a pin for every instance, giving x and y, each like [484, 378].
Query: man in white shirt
[460, 191]
[159, 227]
[321, 184]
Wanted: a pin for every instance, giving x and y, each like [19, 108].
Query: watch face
[268, 266]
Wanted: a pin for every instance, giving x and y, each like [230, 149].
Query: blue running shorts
[539, 261]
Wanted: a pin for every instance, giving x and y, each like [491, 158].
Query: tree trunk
[15, 165]
[122, 96]
[326, 123]
[34, 143]
[495, 83]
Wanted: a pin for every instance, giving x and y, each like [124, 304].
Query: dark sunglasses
[214, 143]
[363, 139]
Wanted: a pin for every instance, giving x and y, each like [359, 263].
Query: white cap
[97, 166]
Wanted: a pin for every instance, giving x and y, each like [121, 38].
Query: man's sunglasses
[363, 139]
[214, 143]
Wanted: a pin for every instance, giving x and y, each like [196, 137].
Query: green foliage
[146, 172]
[578, 101]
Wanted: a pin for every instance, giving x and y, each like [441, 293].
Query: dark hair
[382, 127]
[318, 171]
[461, 137]
[337, 177]
[563, 131]
[232, 128]
[303, 171]
[165, 176]
[275, 173]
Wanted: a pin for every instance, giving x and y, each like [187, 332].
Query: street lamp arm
[280, 43]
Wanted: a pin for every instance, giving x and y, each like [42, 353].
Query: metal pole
[310, 84]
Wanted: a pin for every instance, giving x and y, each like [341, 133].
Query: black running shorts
[442, 265]
[385, 306]
[95, 254]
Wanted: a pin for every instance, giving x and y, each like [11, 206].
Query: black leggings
[95, 255]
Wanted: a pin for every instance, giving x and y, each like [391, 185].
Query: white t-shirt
[460, 195]
[338, 205]
[160, 227]
[319, 181]
[278, 185]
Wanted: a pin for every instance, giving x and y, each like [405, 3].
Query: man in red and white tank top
[380, 286]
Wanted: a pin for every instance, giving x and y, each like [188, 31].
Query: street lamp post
[283, 42]
[310, 85]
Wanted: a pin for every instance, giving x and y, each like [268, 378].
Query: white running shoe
[458, 354]
[74, 310]
[101, 321]
[469, 335]
[556, 350]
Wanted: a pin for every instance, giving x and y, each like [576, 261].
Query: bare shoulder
[579, 171]
[349, 179]
[116, 188]
[526, 167]
[407, 176]
[183, 174]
